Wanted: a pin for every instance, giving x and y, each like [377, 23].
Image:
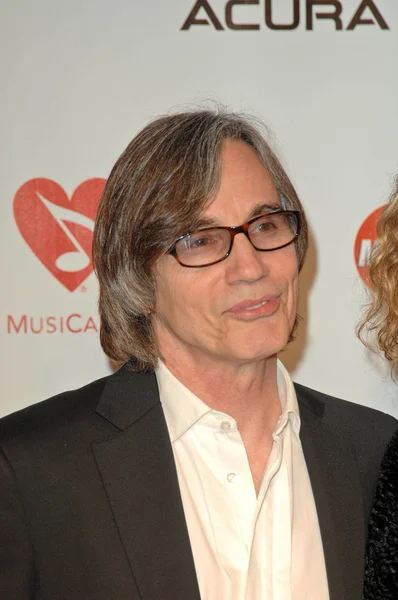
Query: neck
[246, 392]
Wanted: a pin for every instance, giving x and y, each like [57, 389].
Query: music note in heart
[77, 259]
[59, 230]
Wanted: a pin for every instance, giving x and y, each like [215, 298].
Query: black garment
[90, 507]
[381, 572]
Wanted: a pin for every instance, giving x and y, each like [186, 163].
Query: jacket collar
[128, 396]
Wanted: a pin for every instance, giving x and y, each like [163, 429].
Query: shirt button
[225, 425]
[231, 477]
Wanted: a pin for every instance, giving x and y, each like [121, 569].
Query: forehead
[244, 185]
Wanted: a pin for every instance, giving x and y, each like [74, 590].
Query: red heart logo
[364, 242]
[57, 229]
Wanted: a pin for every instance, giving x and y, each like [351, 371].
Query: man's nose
[245, 263]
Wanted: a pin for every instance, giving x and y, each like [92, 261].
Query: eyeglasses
[209, 246]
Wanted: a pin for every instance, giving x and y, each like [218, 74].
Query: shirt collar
[288, 400]
[182, 408]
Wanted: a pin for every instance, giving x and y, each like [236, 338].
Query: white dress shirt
[245, 547]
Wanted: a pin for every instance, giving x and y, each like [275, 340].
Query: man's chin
[251, 352]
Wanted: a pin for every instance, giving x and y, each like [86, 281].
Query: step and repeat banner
[80, 79]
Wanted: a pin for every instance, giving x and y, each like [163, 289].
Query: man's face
[199, 311]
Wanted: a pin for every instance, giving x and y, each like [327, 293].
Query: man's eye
[265, 226]
[200, 242]
[197, 243]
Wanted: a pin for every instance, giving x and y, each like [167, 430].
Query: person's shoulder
[364, 431]
[389, 467]
[346, 415]
[53, 413]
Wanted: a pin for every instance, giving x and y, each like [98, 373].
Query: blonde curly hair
[382, 314]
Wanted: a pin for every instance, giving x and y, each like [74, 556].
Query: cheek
[169, 299]
[287, 273]
[294, 285]
[294, 298]
[183, 299]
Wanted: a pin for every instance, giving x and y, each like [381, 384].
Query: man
[197, 471]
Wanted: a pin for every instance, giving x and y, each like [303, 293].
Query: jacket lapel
[334, 476]
[138, 472]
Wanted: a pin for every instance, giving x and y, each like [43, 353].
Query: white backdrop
[80, 78]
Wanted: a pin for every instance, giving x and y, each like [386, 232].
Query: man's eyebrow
[266, 207]
[206, 222]
[259, 209]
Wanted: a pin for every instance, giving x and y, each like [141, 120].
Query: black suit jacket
[90, 507]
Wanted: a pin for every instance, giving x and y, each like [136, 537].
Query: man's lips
[255, 307]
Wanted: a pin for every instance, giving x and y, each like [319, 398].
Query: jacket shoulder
[53, 413]
[346, 415]
[365, 430]
[360, 431]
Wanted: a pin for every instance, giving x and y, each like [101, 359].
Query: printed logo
[58, 229]
[364, 241]
[239, 18]
[74, 323]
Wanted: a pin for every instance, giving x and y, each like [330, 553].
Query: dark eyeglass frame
[233, 231]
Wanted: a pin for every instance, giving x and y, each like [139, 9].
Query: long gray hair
[156, 192]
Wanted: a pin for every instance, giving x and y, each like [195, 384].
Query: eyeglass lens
[268, 232]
